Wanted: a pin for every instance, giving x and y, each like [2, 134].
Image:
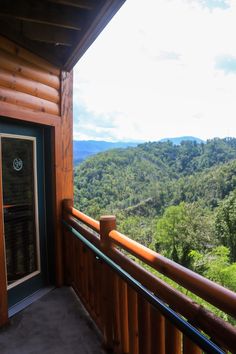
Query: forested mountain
[82, 149]
[177, 199]
[156, 174]
[178, 140]
[85, 148]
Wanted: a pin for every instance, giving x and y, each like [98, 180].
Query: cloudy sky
[161, 68]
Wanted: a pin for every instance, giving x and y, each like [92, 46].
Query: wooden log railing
[136, 311]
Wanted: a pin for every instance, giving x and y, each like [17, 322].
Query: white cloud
[153, 72]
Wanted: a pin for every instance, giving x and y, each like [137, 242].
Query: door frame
[52, 214]
[36, 205]
[39, 278]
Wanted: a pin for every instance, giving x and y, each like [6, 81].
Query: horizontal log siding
[28, 81]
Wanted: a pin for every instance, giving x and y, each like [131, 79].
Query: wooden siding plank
[19, 83]
[28, 115]
[14, 49]
[23, 99]
[18, 65]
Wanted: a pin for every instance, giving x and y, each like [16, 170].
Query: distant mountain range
[86, 148]
[177, 141]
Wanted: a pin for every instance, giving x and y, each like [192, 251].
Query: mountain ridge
[84, 148]
[119, 179]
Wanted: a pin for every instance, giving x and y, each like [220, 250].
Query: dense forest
[177, 199]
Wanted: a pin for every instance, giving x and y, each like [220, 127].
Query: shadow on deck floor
[55, 324]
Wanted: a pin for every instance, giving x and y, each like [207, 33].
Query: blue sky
[161, 70]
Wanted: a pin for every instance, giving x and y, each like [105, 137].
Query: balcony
[135, 311]
[55, 323]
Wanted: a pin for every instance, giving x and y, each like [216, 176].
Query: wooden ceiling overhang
[59, 31]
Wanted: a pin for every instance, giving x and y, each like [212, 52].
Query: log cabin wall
[28, 81]
[34, 91]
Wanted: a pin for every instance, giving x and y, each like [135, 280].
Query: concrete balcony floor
[55, 324]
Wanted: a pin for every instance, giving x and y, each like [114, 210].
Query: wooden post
[67, 204]
[107, 224]
[63, 158]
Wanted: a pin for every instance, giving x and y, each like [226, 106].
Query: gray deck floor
[55, 324]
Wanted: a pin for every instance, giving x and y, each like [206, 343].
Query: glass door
[24, 209]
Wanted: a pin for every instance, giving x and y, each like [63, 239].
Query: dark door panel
[22, 164]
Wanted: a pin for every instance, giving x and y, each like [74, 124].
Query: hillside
[177, 199]
[123, 178]
[82, 149]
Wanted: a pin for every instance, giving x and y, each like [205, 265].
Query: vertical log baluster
[77, 268]
[85, 271]
[97, 290]
[190, 347]
[91, 280]
[107, 224]
[133, 321]
[124, 317]
[173, 340]
[144, 329]
[116, 318]
[157, 332]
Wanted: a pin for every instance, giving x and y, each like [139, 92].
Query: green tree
[183, 228]
[215, 265]
[225, 224]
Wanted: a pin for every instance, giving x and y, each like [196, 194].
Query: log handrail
[87, 220]
[112, 245]
[186, 327]
[213, 293]
[195, 313]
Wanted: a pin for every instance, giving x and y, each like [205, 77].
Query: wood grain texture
[124, 316]
[23, 67]
[19, 83]
[21, 113]
[173, 339]
[25, 82]
[133, 321]
[157, 332]
[63, 164]
[25, 100]
[14, 49]
[144, 329]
